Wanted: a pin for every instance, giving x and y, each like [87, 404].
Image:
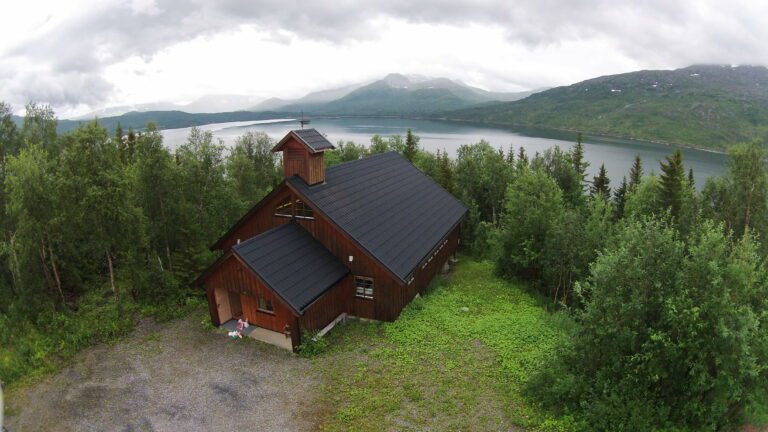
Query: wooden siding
[262, 221]
[295, 160]
[390, 294]
[316, 169]
[427, 269]
[325, 309]
[231, 275]
[388, 290]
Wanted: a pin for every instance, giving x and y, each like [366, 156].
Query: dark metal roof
[393, 210]
[292, 263]
[311, 138]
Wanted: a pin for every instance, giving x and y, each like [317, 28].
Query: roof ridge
[257, 236]
[377, 202]
[367, 158]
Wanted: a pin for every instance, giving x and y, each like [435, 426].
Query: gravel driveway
[170, 377]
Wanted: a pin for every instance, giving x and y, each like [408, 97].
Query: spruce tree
[511, 156]
[636, 172]
[601, 184]
[577, 157]
[620, 198]
[691, 181]
[446, 171]
[411, 145]
[672, 178]
[522, 159]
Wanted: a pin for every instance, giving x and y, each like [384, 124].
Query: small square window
[265, 305]
[364, 287]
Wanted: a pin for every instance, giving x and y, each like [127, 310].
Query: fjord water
[617, 154]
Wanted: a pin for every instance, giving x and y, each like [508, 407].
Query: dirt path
[170, 377]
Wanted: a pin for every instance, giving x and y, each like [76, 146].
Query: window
[364, 287]
[303, 211]
[265, 305]
[283, 208]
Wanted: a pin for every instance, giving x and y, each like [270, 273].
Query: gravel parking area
[169, 377]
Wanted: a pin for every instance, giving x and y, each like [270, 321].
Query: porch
[261, 334]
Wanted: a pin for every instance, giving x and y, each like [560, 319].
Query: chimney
[303, 151]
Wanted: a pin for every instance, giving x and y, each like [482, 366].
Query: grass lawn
[456, 359]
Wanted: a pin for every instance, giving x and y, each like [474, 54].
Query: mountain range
[395, 94]
[708, 106]
[205, 104]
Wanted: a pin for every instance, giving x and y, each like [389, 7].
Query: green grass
[440, 367]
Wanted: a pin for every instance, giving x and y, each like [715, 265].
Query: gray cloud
[70, 59]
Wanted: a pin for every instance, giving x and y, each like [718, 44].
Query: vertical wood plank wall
[232, 276]
[296, 160]
[332, 304]
[390, 295]
[316, 169]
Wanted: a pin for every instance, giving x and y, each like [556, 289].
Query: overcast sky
[83, 55]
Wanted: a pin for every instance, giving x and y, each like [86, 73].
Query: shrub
[672, 335]
[311, 345]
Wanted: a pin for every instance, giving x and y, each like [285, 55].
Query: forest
[667, 283]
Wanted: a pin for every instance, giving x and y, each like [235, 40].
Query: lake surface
[616, 154]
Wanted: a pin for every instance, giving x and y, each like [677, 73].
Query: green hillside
[704, 106]
[400, 95]
[385, 100]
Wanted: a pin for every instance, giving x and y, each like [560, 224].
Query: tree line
[666, 284]
[98, 226]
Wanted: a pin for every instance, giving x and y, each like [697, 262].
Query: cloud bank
[64, 64]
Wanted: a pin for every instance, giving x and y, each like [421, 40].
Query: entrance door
[235, 306]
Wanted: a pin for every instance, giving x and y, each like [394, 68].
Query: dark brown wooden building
[361, 238]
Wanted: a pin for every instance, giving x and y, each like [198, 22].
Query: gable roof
[392, 209]
[292, 263]
[247, 216]
[311, 138]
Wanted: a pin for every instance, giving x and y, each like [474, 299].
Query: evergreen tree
[577, 158]
[522, 159]
[411, 145]
[94, 191]
[601, 184]
[672, 178]
[620, 198]
[511, 156]
[691, 181]
[636, 172]
[445, 170]
[119, 134]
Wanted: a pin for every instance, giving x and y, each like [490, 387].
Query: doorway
[235, 306]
